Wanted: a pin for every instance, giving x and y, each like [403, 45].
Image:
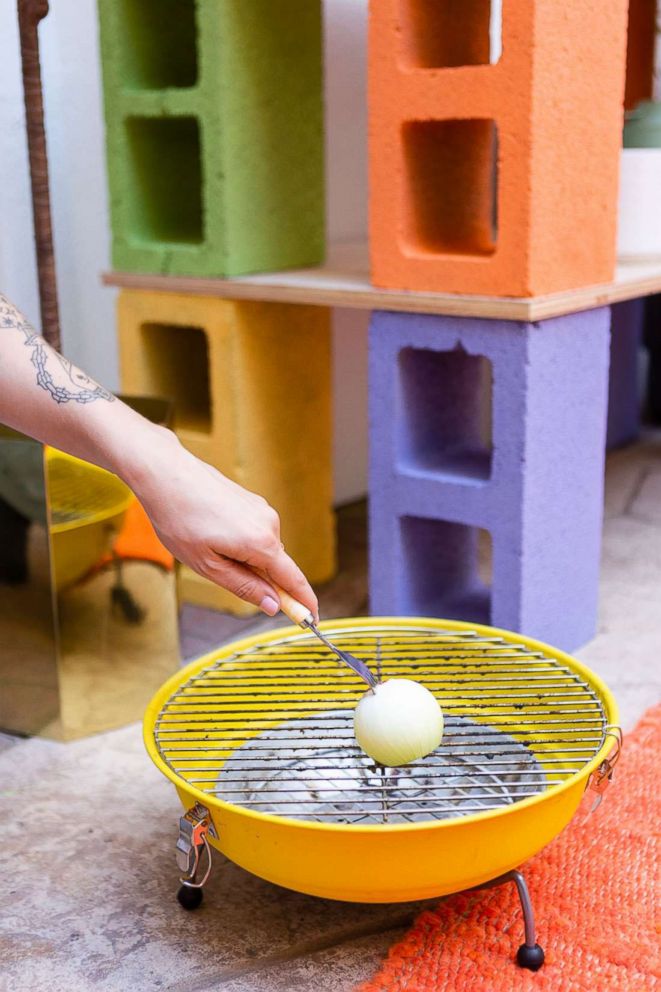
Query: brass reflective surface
[29, 684]
[88, 609]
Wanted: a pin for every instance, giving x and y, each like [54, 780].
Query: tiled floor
[88, 828]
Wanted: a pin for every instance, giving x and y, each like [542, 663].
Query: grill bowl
[513, 697]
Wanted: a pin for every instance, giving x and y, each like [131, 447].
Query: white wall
[72, 94]
[346, 164]
[72, 87]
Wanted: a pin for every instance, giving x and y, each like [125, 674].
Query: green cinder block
[214, 130]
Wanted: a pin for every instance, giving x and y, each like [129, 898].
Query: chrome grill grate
[270, 728]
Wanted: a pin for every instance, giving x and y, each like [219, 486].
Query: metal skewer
[358, 666]
[299, 614]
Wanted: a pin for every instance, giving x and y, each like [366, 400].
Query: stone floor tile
[626, 469]
[646, 505]
[95, 881]
[623, 477]
[338, 969]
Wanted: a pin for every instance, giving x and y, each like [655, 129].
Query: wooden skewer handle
[297, 612]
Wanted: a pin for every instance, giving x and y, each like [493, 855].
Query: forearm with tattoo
[55, 374]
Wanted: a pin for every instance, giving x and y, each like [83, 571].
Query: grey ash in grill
[312, 770]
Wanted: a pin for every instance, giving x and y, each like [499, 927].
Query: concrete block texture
[251, 385]
[518, 493]
[214, 134]
[498, 179]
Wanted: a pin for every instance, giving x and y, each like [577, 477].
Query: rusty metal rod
[30, 13]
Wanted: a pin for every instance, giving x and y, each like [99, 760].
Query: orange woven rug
[595, 891]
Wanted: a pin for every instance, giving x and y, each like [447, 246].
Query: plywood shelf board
[343, 281]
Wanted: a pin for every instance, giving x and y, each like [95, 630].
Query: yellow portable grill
[257, 738]
[87, 507]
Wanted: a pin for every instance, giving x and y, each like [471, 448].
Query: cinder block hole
[165, 179]
[450, 192]
[446, 570]
[440, 33]
[444, 413]
[158, 43]
[176, 361]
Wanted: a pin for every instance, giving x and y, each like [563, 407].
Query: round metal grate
[270, 728]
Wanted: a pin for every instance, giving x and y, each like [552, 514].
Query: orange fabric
[594, 891]
[137, 539]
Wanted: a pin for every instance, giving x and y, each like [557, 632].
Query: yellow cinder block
[251, 385]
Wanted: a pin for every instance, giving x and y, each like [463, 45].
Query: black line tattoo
[77, 388]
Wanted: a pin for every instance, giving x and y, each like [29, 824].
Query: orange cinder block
[496, 179]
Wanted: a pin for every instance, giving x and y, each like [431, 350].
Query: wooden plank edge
[372, 298]
[369, 298]
[590, 297]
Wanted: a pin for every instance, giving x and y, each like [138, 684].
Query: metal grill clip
[603, 774]
[194, 827]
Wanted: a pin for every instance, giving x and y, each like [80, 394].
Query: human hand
[208, 522]
[215, 526]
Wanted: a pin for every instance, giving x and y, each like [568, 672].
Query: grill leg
[530, 955]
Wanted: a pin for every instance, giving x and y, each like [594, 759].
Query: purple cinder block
[440, 570]
[624, 399]
[437, 479]
[445, 436]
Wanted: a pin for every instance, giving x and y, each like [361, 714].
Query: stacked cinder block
[251, 385]
[498, 179]
[624, 387]
[526, 468]
[214, 134]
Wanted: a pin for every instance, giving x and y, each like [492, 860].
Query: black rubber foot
[531, 958]
[189, 898]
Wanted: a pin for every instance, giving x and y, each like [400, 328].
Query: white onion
[397, 722]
